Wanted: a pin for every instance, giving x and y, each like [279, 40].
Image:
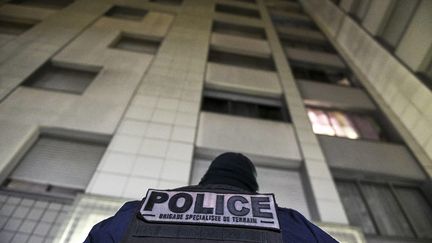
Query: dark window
[246, 1]
[426, 78]
[339, 77]
[286, 6]
[322, 47]
[238, 30]
[168, 2]
[134, 44]
[58, 78]
[223, 8]
[287, 21]
[241, 60]
[128, 13]
[387, 209]
[336, 2]
[53, 4]
[14, 27]
[244, 107]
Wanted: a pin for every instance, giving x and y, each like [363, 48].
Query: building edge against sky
[100, 100]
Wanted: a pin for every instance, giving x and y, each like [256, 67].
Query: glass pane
[386, 212]
[366, 126]
[342, 125]
[244, 109]
[270, 112]
[215, 105]
[418, 209]
[320, 122]
[355, 208]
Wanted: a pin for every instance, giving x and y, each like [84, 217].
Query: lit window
[320, 122]
[341, 124]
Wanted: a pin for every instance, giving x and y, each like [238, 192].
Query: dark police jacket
[122, 227]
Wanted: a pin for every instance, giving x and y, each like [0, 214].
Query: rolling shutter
[60, 162]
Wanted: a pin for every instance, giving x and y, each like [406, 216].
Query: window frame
[33, 78]
[154, 40]
[390, 185]
[250, 99]
[49, 190]
[384, 137]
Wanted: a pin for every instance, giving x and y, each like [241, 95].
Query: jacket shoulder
[296, 228]
[113, 228]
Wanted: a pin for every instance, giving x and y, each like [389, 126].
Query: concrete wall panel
[230, 78]
[327, 95]
[371, 157]
[250, 136]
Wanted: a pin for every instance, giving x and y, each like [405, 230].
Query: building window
[344, 124]
[246, 1]
[229, 9]
[242, 105]
[53, 77]
[136, 44]
[321, 47]
[228, 58]
[286, 21]
[239, 30]
[15, 27]
[121, 12]
[168, 2]
[52, 4]
[56, 165]
[387, 209]
[30, 218]
[331, 76]
[293, 7]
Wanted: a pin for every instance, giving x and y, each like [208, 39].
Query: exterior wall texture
[149, 107]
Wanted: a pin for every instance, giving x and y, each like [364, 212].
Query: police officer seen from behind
[223, 207]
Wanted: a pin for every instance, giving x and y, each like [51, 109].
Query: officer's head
[232, 169]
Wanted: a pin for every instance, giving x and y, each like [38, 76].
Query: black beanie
[233, 169]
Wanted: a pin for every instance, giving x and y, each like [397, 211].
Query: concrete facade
[149, 107]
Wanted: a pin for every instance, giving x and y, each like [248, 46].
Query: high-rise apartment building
[101, 100]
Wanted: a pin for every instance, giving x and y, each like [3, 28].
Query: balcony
[254, 137]
[374, 157]
[334, 96]
[240, 45]
[315, 58]
[239, 79]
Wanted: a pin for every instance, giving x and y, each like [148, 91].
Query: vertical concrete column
[328, 206]
[155, 138]
[402, 97]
